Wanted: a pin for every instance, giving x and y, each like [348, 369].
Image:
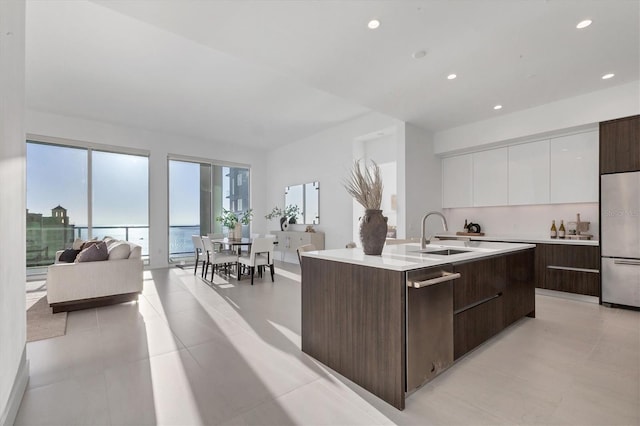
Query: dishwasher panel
[429, 324]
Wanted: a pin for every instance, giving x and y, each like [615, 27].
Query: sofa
[86, 284]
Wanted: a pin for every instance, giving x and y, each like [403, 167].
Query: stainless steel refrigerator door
[620, 215]
[621, 281]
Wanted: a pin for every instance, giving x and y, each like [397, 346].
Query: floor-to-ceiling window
[198, 192]
[82, 192]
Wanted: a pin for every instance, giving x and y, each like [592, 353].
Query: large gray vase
[373, 231]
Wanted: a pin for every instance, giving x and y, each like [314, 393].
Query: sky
[58, 176]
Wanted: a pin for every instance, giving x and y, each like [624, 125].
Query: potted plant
[246, 217]
[229, 220]
[365, 186]
[292, 211]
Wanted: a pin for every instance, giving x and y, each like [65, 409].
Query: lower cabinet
[569, 268]
[490, 295]
[476, 325]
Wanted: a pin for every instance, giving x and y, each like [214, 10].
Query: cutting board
[470, 234]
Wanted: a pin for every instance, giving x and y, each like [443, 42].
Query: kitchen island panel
[353, 321]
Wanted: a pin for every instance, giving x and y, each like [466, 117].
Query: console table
[289, 241]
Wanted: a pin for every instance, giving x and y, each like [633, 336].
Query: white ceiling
[265, 73]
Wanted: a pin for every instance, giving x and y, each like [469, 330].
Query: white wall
[13, 367]
[423, 181]
[527, 221]
[325, 157]
[585, 110]
[159, 145]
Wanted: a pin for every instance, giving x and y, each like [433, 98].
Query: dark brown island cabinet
[365, 323]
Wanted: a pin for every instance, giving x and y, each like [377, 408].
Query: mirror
[306, 197]
[312, 203]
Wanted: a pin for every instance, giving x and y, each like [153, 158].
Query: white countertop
[405, 257]
[524, 239]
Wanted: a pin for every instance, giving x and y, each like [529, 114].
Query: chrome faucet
[423, 240]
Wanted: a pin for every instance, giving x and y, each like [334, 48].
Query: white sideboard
[289, 241]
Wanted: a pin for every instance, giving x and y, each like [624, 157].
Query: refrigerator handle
[627, 262]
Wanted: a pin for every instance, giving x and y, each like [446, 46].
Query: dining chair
[260, 255]
[217, 258]
[198, 247]
[306, 247]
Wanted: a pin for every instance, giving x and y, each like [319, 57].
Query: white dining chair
[260, 255]
[198, 248]
[306, 247]
[217, 258]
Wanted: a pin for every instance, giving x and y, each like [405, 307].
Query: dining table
[234, 243]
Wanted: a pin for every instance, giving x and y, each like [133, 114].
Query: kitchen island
[392, 322]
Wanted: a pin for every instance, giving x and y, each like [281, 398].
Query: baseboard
[10, 412]
[569, 296]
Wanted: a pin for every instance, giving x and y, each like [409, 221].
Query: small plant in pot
[292, 211]
[230, 220]
[364, 184]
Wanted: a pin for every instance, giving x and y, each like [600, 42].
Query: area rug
[42, 323]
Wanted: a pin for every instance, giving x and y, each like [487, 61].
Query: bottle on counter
[466, 226]
[561, 230]
[554, 230]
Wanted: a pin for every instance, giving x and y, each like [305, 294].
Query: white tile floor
[189, 353]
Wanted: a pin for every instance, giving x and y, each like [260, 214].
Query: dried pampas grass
[365, 186]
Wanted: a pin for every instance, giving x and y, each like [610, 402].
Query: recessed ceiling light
[419, 54]
[607, 76]
[451, 76]
[497, 107]
[583, 24]
[373, 24]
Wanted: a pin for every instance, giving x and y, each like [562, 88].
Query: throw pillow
[69, 255]
[94, 253]
[77, 244]
[119, 250]
[89, 243]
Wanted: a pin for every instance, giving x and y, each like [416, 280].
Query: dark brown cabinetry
[620, 145]
[491, 294]
[570, 268]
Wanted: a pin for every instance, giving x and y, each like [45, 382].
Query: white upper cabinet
[574, 168]
[559, 170]
[457, 181]
[490, 176]
[529, 173]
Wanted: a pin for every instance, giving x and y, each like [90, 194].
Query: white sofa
[73, 286]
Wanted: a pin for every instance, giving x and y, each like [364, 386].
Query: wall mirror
[307, 198]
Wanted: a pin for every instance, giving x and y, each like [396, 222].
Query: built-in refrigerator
[620, 238]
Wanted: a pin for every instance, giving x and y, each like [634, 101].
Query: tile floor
[228, 353]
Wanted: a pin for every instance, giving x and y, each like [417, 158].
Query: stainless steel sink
[445, 252]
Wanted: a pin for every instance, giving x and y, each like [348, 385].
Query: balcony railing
[43, 242]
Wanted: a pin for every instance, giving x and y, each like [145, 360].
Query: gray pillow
[94, 253]
[119, 250]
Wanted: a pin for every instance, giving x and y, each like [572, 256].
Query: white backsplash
[529, 221]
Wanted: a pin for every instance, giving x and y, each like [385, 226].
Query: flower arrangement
[228, 219]
[276, 212]
[365, 186]
[246, 217]
[290, 212]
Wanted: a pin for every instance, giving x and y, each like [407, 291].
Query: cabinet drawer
[478, 281]
[578, 282]
[475, 325]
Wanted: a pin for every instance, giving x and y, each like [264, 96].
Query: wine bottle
[561, 230]
[466, 226]
[554, 231]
